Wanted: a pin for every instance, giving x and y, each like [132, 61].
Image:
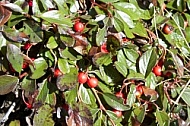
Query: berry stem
[26, 103]
[99, 101]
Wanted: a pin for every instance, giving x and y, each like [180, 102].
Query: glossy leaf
[52, 44]
[162, 118]
[114, 102]
[55, 16]
[147, 62]
[34, 30]
[140, 113]
[44, 96]
[63, 65]
[14, 7]
[40, 68]
[102, 59]
[7, 84]
[14, 57]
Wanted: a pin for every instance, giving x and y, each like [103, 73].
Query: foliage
[120, 45]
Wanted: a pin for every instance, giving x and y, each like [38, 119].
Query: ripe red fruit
[104, 48]
[30, 3]
[118, 113]
[157, 70]
[119, 94]
[24, 65]
[92, 82]
[29, 106]
[167, 29]
[139, 91]
[27, 46]
[57, 72]
[78, 27]
[82, 77]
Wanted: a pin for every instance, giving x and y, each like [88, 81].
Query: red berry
[104, 48]
[82, 77]
[27, 46]
[92, 82]
[119, 94]
[157, 70]
[167, 29]
[30, 3]
[78, 27]
[57, 73]
[24, 65]
[118, 113]
[29, 106]
[139, 91]
[125, 39]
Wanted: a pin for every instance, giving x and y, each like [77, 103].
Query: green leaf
[70, 53]
[15, 123]
[71, 96]
[84, 92]
[44, 117]
[68, 81]
[113, 116]
[103, 87]
[162, 118]
[121, 67]
[102, 59]
[125, 18]
[13, 35]
[55, 16]
[63, 65]
[14, 57]
[133, 10]
[35, 8]
[67, 40]
[52, 44]
[14, 7]
[131, 54]
[118, 24]
[34, 30]
[131, 97]
[47, 4]
[135, 76]
[28, 85]
[147, 61]
[140, 113]
[7, 84]
[140, 30]
[151, 81]
[185, 96]
[115, 102]
[100, 36]
[40, 68]
[43, 92]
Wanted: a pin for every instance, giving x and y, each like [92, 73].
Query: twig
[5, 118]
[101, 105]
